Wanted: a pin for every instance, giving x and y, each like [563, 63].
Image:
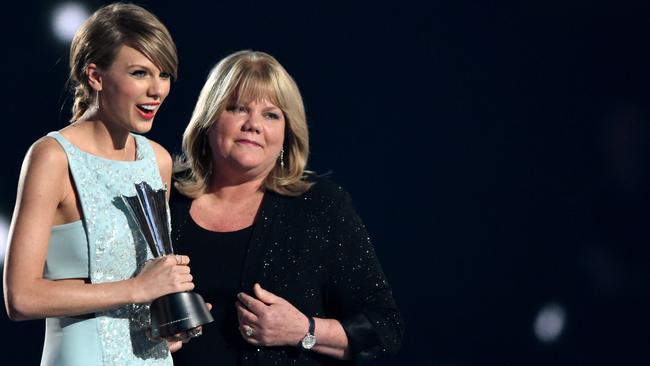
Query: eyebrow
[143, 66]
[272, 108]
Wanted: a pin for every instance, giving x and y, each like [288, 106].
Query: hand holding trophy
[178, 312]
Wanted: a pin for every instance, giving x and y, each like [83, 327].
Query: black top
[314, 251]
[216, 262]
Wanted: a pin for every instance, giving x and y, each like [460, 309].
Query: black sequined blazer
[314, 251]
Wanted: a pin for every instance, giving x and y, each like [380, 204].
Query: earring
[282, 158]
[96, 106]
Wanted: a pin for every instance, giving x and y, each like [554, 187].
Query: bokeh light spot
[550, 322]
[66, 19]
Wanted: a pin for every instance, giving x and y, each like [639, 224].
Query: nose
[253, 122]
[157, 88]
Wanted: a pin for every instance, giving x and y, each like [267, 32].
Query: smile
[247, 142]
[147, 111]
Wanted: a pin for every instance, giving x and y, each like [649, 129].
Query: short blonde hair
[239, 78]
[99, 39]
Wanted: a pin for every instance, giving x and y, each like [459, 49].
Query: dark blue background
[497, 151]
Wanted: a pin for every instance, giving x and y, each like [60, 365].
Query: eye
[165, 75]
[237, 109]
[272, 115]
[139, 73]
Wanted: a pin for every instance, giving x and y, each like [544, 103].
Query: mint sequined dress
[115, 251]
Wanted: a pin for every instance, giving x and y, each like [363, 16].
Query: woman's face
[247, 138]
[132, 90]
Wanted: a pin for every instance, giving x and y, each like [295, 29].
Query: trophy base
[175, 313]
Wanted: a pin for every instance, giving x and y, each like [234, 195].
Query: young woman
[75, 257]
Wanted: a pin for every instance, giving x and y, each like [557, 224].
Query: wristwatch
[310, 339]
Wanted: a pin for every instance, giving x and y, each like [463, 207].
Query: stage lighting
[4, 231]
[66, 19]
[550, 322]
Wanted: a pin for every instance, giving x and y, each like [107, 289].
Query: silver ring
[249, 331]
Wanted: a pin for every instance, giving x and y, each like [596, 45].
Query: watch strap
[312, 325]
[309, 340]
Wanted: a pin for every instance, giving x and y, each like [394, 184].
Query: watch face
[308, 342]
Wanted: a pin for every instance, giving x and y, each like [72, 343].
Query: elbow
[392, 347]
[370, 339]
[394, 341]
[19, 307]
[386, 347]
[15, 313]
[394, 335]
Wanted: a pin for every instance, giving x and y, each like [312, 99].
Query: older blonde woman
[282, 255]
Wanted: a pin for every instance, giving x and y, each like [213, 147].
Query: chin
[252, 164]
[142, 127]
[246, 166]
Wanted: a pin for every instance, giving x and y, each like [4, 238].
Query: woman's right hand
[162, 276]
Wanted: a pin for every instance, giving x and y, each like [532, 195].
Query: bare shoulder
[47, 153]
[162, 155]
[45, 162]
[164, 163]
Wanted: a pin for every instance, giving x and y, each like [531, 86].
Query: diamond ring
[249, 332]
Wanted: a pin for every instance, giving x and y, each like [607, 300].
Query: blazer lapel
[253, 263]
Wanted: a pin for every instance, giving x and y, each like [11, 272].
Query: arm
[366, 321]
[27, 294]
[359, 290]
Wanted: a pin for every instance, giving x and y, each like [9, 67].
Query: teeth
[147, 107]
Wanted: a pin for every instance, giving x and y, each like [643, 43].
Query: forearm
[331, 339]
[43, 298]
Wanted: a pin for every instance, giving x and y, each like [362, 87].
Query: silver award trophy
[174, 313]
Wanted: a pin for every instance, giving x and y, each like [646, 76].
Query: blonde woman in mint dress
[74, 256]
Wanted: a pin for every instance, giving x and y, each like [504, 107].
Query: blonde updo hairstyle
[240, 78]
[100, 38]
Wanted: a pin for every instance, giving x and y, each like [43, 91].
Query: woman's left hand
[269, 320]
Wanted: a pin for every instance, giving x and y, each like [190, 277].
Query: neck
[108, 140]
[234, 190]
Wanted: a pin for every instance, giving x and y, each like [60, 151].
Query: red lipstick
[148, 110]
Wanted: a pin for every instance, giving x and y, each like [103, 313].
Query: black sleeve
[358, 289]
